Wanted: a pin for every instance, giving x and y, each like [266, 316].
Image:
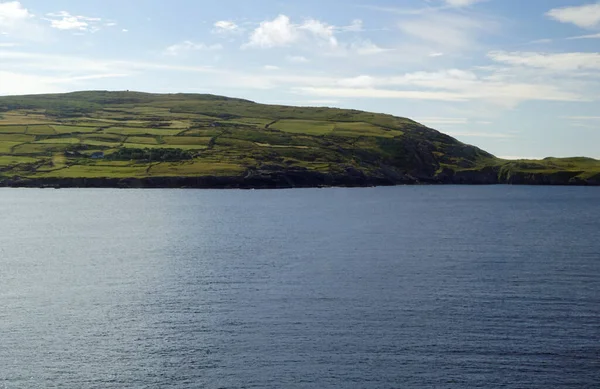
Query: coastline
[304, 179]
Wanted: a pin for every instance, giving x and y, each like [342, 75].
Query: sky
[520, 79]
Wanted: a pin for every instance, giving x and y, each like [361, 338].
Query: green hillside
[140, 139]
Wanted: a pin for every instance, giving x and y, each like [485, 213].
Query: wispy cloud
[552, 61]
[297, 59]
[63, 20]
[226, 27]
[589, 36]
[189, 46]
[448, 32]
[584, 16]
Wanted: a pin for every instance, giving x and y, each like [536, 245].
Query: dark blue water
[406, 287]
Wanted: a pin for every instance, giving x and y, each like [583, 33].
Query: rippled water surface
[405, 287]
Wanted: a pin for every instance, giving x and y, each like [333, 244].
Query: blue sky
[517, 78]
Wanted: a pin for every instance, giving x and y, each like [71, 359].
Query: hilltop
[133, 139]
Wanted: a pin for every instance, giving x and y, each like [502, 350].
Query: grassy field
[84, 134]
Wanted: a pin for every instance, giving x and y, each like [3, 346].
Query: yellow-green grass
[140, 131]
[95, 171]
[40, 130]
[196, 168]
[186, 140]
[73, 129]
[70, 141]
[11, 129]
[7, 147]
[354, 129]
[310, 127]
[59, 160]
[142, 140]
[12, 160]
[39, 148]
[21, 118]
[179, 124]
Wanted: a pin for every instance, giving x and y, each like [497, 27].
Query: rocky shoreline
[300, 178]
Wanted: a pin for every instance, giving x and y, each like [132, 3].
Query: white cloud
[585, 16]
[551, 61]
[281, 32]
[297, 59]
[226, 27]
[13, 13]
[358, 82]
[17, 21]
[366, 47]
[271, 67]
[324, 32]
[124, 30]
[187, 46]
[8, 44]
[63, 20]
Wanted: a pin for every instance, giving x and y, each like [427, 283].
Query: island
[142, 140]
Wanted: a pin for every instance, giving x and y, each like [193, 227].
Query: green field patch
[179, 124]
[97, 171]
[163, 146]
[7, 147]
[310, 127]
[142, 140]
[196, 168]
[73, 129]
[71, 141]
[39, 148]
[12, 160]
[140, 131]
[16, 117]
[100, 143]
[103, 137]
[22, 138]
[231, 142]
[40, 130]
[209, 132]
[280, 146]
[355, 129]
[186, 140]
[259, 122]
[12, 129]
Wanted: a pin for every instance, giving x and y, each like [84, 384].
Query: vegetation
[138, 135]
